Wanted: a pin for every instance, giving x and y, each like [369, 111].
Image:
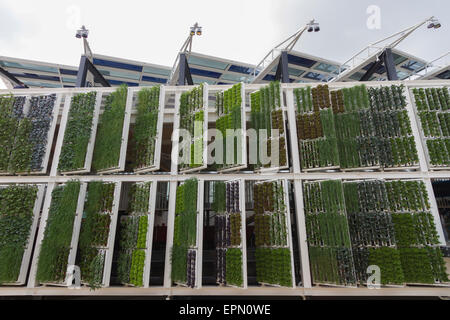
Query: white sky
[242, 30]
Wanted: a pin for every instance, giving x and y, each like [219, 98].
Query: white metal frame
[296, 176]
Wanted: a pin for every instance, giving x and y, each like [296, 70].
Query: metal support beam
[18, 84]
[184, 73]
[389, 64]
[85, 66]
[372, 70]
[386, 59]
[282, 69]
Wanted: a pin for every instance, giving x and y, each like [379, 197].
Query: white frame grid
[296, 176]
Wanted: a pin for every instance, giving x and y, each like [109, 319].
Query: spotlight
[430, 25]
[192, 31]
[199, 31]
[310, 29]
[437, 25]
[316, 29]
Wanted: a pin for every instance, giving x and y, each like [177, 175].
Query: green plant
[109, 132]
[145, 129]
[78, 132]
[16, 215]
[94, 231]
[55, 248]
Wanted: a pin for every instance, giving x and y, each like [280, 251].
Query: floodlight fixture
[82, 33]
[433, 23]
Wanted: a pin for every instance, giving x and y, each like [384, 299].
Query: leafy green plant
[95, 231]
[16, 216]
[109, 132]
[55, 248]
[145, 129]
[78, 132]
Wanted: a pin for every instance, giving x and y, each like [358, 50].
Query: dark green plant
[109, 132]
[78, 132]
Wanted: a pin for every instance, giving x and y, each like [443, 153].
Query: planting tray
[90, 147]
[125, 130]
[21, 280]
[159, 130]
[50, 135]
[43, 225]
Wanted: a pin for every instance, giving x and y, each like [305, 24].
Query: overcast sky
[242, 30]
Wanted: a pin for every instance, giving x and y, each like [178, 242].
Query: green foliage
[78, 132]
[234, 267]
[145, 129]
[218, 204]
[137, 268]
[94, 231]
[273, 266]
[55, 249]
[109, 132]
[388, 260]
[16, 216]
[185, 228]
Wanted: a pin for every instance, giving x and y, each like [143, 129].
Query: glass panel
[153, 70]
[71, 80]
[199, 81]
[233, 77]
[413, 65]
[116, 64]
[398, 58]
[120, 74]
[207, 63]
[327, 68]
[41, 84]
[27, 66]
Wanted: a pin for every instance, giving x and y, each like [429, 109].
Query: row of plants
[192, 117]
[228, 238]
[270, 214]
[433, 109]
[108, 140]
[384, 218]
[16, 217]
[229, 110]
[28, 134]
[328, 233]
[94, 233]
[273, 259]
[185, 233]
[56, 244]
[78, 132]
[11, 111]
[145, 129]
[361, 127]
[266, 114]
[431, 98]
[273, 266]
[133, 229]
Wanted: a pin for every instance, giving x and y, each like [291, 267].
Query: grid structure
[294, 174]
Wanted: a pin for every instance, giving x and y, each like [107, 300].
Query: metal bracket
[85, 66]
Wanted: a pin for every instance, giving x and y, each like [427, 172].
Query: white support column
[415, 131]
[435, 211]
[199, 258]
[292, 130]
[175, 136]
[151, 224]
[40, 236]
[301, 232]
[112, 235]
[170, 227]
[243, 231]
[60, 139]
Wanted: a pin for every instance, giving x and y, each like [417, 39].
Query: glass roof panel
[116, 64]
[120, 74]
[356, 76]
[398, 58]
[42, 84]
[413, 65]
[205, 73]
[67, 71]
[300, 61]
[327, 68]
[154, 79]
[233, 77]
[199, 81]
[118, 83]
[153, 70]
[71, 80]
[207, 63]
[36, 76]
[316, 76]
[240, 69]
[444, 75]
[402, 75]
[28, 66]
